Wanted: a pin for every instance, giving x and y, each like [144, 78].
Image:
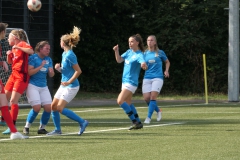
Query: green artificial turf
[185, 132]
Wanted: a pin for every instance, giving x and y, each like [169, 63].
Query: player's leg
[55, 114]
[8, 92]
[46, 100]
[55, 117]
[156, 88]
[121, 100]
[67, 96]
[19, 87]
[7, 116]
[33, 97]
[146, 89]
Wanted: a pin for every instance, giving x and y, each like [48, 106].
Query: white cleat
[159, 115]
[18, 135]
[147, 120]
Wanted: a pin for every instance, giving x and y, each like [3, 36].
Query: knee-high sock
[14, 112]
[45, 118]
[56, 120]
[8, 118]
[135, 112]
[128, 111]
[31, 116]
[157, 108]
[151, 108]
[73, 116]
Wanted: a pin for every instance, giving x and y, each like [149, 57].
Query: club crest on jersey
[133, 57]
[151, 61]
[127, 61]
[43, 69]
[47, 62]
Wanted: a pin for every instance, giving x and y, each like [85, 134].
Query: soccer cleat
[42, 131]
[2, 123]
[83, 127]
[136, 126]
[26, 130]
[147, 120]
[55, 132]
[159, 115]
[7, 131]
[18, 135]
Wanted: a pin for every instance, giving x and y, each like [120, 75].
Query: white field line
[119, 108]
[98, 131]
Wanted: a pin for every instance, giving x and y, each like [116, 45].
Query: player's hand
[166, 74]
[15, 47]
[5, 66]
[116, 48]
[9, 54]
[50, 70]
[43, 63]
[144, 66]
[65, 83]
[57, 66]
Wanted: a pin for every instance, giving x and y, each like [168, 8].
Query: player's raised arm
[119, 59]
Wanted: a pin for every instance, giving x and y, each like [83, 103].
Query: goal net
[4, 47]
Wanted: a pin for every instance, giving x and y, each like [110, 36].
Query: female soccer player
[3, 99]
[69, 84]
[133, 61]
[39, 66]
[153, 77]
[18, 80]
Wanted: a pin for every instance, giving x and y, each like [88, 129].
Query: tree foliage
[185, 29]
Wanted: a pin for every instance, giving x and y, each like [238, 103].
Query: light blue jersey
[39, 79]
[68, 60]
[154, 63]
[132, 66]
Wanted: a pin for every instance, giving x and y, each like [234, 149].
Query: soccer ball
[34, 5]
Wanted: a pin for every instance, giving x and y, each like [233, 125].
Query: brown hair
[20, 34]
[138, 38]
[40, 45]
[72, 39]
[3, 26]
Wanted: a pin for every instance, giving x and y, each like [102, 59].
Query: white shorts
[38, 95]
[129, 87]
[150, 85]
[66, 93]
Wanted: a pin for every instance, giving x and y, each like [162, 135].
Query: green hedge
[185, 30]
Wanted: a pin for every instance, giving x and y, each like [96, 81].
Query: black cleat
[136, 126]
[42, 131]
[26, 131]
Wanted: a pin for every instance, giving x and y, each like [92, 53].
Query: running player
[39, 66]
[3, 99]
[69, 84]
[18, 80]
[153, 77]
[133, 61]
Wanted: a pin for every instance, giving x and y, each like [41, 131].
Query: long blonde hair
[72, 39]
[19, 34]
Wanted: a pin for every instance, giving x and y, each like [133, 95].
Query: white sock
[42, 126]
[27, 125]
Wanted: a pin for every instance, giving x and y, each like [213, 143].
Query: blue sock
[157, 109]
[45, 118]
[31, 116]
[73, 116]
[151, 108]
[135, 113]
[56, 120]
[128, 111]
